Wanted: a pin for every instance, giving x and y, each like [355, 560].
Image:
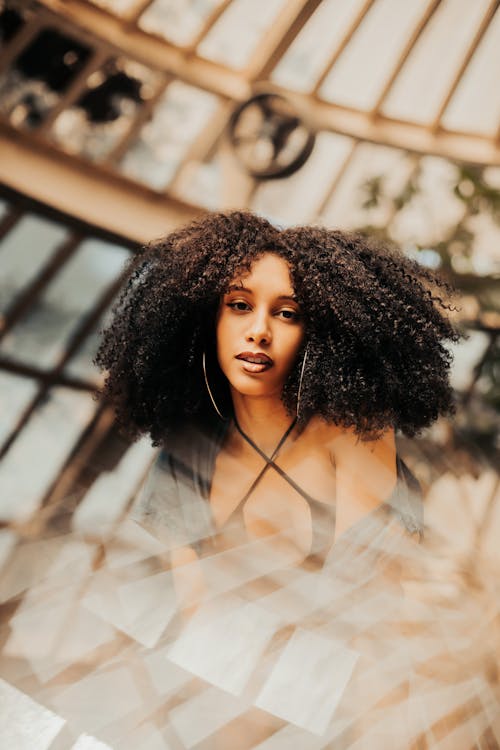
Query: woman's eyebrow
[241, 288]
[238, 288]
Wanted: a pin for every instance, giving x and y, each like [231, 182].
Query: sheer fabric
[173, 633]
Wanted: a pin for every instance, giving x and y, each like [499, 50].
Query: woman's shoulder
[371, 467]
[339, 439]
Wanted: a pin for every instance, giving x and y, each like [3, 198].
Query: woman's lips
[255, 362]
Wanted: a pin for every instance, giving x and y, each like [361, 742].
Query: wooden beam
[415, 36]
[462, 147]
[143, 115]
[85, 19]
[75, 89]
[75, 16]
[274, 43]
[348, 34]
[86, 191]
[459, 73]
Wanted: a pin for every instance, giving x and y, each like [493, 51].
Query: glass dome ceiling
[134, 97]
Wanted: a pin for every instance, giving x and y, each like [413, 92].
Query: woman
[274, 367]
[277, 591]
[239, 330]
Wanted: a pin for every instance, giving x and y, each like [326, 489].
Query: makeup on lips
[255, 362]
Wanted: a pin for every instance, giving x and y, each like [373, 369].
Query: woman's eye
[242, 306]
[289, 314]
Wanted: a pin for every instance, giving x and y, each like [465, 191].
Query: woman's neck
[263, 419]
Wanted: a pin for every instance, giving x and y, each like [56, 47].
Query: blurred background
[123, 119]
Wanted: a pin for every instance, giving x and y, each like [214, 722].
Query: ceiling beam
[274, 43]
[461, 147]
[86, 191]
[125, 39]
[237, 87]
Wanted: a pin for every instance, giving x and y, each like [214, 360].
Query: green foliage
[478, 406]
[476, 193]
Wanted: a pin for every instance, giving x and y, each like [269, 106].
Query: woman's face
[259, 328]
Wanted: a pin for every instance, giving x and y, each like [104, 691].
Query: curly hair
[374, 326]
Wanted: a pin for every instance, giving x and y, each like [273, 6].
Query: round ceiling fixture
[269, 137]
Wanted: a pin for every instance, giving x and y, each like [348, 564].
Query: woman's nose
[259, 330]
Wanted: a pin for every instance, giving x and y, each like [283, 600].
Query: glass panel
[100, 699]
[24, 251]
[369, 162]
[39, 76]
[85, 741]
[105, 111]
[297, 701]
[43, 725]
[178, 119]
[424, 81]
[39, 338]
[15, 395]
[475, 105]
[26, 472]
[107, 499]
[298, 198]
[238, 31]
[304, 61]
[434, 211]
[80, 365]
[362, 70]
[201, 183]
[179, 21]
[206, 706]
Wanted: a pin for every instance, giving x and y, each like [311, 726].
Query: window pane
[178, 118]
[424, 81]
[16, 393]
[40, 75]
[303, 62]
[179, 21]
[80, 365]
[39, 338]
[107, 499]
[26, 471]
[369, 162]
[24, 251]
[475, 106]
[297, 198]
[105, 111]
[358, 77]
[238, 31]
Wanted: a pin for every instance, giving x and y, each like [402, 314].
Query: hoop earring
[208, 389]
[301, 379]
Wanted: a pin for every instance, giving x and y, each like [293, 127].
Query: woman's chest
[269, 500]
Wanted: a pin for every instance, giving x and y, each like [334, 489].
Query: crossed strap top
[322, 514]
[175, 500]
